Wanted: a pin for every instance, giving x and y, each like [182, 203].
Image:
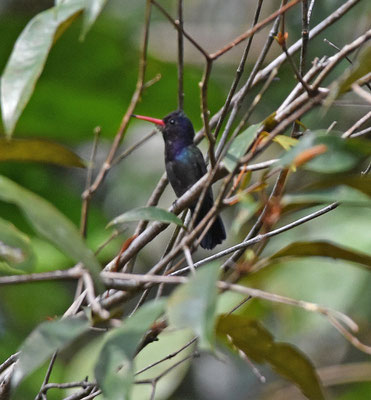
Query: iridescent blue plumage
[185, 165]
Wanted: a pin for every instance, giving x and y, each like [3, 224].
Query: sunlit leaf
[250, 337]
[193, 304]
[47, 338]
[92, 9]
[284, 141]
[239, 146]
[28, 58]
[147, 214]
[322, 249]
[15, 250]
[50, 223]
[341, 193]
[114, 368]
[38, 150]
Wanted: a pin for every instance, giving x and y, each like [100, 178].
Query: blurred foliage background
[88, 84]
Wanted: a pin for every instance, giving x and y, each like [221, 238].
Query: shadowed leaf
[114, 369]
[50, 223]
[322, 249]
[250, 337]
[361, 183]
[193, 304]
[147, 214]
[38, 150]
[28, 58]
[341, 193]
[47, 338]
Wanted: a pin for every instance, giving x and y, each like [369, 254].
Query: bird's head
[176, 126]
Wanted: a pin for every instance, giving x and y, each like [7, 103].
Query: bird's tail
[216, 233]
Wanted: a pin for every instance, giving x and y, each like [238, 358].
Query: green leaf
[239, 146]
[322, 249]
[38, 150]
[360, 68]
[341, 155]
[47, 338]
[341, 193]
[258, 344]
[247, 208]
[50, 223]
[193, 305]
[147, 214]
[114, 369]
[15, 250]
[29, 56]
[92, 9]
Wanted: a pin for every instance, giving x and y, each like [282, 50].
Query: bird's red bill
[150, 119]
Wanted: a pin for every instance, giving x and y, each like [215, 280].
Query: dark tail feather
[216, 234]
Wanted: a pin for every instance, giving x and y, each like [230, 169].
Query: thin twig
[304, 37]
[47, 375]
[7, 363]
[253, 30]
[126, 118]
[168, 357]
[85, 201]
[261, 237]
[355, 126]
[94, 304]
[135, 146]
[72, 273]
[361, 133]
[361, 92]
[238, 74]
[177, 26]
[180, 56]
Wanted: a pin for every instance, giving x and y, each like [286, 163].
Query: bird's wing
[186, 169]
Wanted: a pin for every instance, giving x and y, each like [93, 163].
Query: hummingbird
[185, 165]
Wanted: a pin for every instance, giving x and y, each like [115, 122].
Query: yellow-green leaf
[38, 150]
[285, 141]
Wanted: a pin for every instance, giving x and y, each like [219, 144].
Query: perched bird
[185, 165]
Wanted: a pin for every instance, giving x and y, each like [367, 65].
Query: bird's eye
[172, 121]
